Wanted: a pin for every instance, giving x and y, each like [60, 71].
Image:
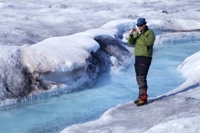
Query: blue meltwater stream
[53, 114]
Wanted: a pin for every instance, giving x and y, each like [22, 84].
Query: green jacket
[143, 42]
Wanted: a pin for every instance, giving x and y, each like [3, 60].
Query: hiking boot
[137, 100]
[142, 102]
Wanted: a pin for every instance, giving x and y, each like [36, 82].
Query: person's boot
[137, 100]
[138, 81]
[142, 94]
[142, 100]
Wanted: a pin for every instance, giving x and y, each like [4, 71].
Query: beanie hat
[141, 21]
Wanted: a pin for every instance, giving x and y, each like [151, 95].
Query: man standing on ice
[143, 39]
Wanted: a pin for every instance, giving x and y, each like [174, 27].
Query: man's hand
[131, 31]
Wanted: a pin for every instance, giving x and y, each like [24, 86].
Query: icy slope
[132, 119]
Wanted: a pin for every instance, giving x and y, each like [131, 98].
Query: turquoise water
[54, 114]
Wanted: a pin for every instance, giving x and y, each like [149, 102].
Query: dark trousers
[142, 65]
